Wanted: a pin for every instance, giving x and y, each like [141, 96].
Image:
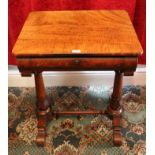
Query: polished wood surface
[77, 40]
[124, 64]
[106, 33]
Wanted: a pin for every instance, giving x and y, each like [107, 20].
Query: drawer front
[78, 64]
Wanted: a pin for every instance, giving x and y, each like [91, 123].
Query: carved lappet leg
[42, 108]
[115, 110]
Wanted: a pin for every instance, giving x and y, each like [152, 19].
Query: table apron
[77, 64]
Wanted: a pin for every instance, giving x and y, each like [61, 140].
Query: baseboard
[75, 78]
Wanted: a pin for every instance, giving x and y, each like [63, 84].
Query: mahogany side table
[77, 41]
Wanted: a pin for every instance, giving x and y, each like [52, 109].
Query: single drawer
[77, 64]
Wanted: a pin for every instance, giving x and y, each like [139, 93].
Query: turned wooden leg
[114, 109]
[42, 108]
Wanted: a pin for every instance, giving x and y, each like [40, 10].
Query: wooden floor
[75, 78]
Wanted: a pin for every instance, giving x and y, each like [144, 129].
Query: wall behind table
[19, 10]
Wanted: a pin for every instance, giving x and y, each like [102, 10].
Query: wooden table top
[106, 33]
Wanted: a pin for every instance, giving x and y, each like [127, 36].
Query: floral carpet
[72, 135]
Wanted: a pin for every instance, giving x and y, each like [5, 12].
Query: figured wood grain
[107, 33]
[77, 64]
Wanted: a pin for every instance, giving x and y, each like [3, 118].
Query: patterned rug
[72, 135]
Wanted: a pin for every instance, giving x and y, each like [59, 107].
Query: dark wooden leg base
[117, 134]
[40, 140]
[117, 137]
[43, 109]
[114, 110]
[43, 117]
[115, 115]
[45, 112]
